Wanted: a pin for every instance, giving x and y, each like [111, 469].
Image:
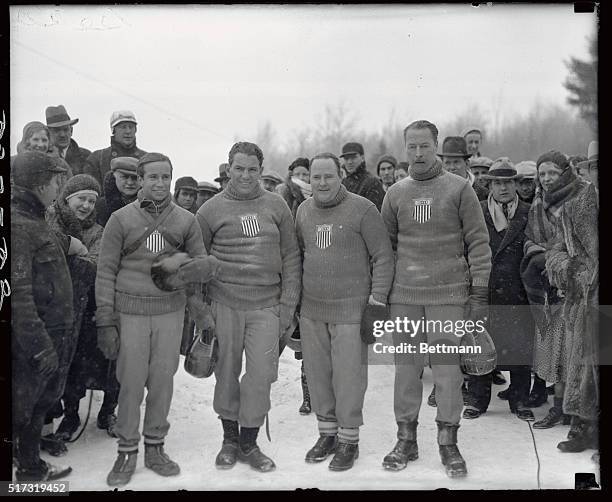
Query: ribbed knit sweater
[338, 241]
[254, 238]
[125, 284]
[429, 221]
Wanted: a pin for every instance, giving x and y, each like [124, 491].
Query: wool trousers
[256, 333]
[447, 375]
[335, 359]
[148, 358]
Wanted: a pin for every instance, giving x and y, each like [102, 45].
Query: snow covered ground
[498, 447]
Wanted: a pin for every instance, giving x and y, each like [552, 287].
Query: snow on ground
[498, 448]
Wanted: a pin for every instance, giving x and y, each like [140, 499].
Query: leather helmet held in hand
[164, 280]
[478, 363]
[202, 354]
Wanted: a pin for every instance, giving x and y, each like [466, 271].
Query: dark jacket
[41, 309]
[482, 192]
[510, 321]
[112, 200]
[364, 183]
[98, 163]
[292, 194]
[76, 157]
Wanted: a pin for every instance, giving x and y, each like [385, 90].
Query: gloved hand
[171, 264]
[108, 341]
[478, 304]
[286, 318]
[373, 301]
[46, 362]
[77, 247]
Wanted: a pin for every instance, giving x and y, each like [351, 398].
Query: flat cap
[124, 164]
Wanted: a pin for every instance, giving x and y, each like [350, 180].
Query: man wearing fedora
[60, 129]
[358, 179]
[510, 321]
[442, 271]
[123, 144]
[223, 178]
[455, 158]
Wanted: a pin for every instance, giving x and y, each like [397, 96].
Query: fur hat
[28, 166]
[556, 157]
[186, 183]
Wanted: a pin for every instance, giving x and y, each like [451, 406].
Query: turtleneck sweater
[429, 221]
[253, 235]
[339, 239]
[124, 284]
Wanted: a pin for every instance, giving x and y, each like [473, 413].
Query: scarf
[231, 193]
[427, 174]
[497, 212]
[340, 196]
[151, 206]
[68, 221]
[304, 187]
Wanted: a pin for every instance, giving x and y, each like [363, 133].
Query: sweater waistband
[149, 305]
[449, 294]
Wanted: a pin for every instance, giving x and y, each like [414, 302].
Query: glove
[108, 341]
[171, 264]
[201, 313]
[46, 362]
[373, 301]
[478, 304]
[77, 247]
[286, 318]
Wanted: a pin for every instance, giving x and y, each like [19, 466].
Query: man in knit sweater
[430, 217]
[138, 323]
[340, 234]
[251, 232]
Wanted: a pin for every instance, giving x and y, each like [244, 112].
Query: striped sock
[348, 435]
[327, 428]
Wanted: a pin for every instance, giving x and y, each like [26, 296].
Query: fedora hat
[223, 175]
[592, 156]
[454, 146]
[502, 169]
[57, 116]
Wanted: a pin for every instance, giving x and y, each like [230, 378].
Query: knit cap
[80, 183]
[555, 157]
[387, 158]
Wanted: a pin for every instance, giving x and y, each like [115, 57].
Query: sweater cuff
[379, 298]
[106, 318]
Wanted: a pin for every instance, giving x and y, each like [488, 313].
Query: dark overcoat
[510, 321]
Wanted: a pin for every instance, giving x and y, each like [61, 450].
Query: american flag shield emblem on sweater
[422, 210]
[324, 236]
[250, 225]
[155, 242]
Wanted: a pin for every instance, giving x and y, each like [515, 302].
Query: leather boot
[345, 456]
[323, 448]
[226, 458]
[405, 449]
[158, 461]
[250, 453]
[306, 408]
[71, 421]
[43, 472]
[449, 452]
[124, 467]
[53, 445]
[554, 416]
[585, 436]
[538, 395]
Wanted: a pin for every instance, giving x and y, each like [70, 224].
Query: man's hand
[77, 247]
[47, 362]
[286, 318]
[108, 341]
[373, 301]
[478, 304]
[172, 263]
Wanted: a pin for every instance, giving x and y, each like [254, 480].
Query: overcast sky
[197, 77]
